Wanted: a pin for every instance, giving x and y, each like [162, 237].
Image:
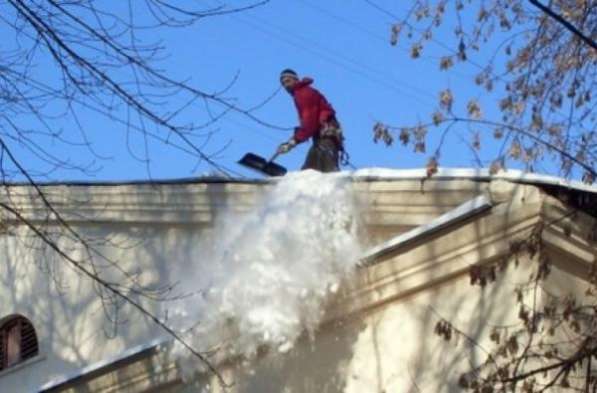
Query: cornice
[407, 203]
[439, 258]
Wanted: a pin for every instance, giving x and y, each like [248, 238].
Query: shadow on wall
[399, 351]
[393, 348]
[320, 365]
[72, 327]
[28, 286]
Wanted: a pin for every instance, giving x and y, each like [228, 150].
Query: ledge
[453, 217]
[20, 365]
[403, 203]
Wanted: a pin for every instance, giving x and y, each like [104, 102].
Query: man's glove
[286, 146]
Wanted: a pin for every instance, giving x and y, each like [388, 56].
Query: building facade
[421, 238]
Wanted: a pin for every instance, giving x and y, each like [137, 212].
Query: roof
[477, 174]
[366, 174]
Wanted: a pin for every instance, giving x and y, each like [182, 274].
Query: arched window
[18, 341]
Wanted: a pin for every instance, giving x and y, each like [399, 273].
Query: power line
[248, 128]
[346, 21]
[382, 10]
[339, 60]
[373, 71]
[41, 86]
[325, 53]
[395, 17]
[379, 37]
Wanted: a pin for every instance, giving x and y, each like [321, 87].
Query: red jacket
[313, 110]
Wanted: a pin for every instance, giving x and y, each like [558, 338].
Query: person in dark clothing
[317, 121]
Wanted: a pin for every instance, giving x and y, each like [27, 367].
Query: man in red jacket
[317, 121]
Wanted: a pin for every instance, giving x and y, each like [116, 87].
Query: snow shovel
[260, 164]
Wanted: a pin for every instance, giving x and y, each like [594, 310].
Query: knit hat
[288, 72]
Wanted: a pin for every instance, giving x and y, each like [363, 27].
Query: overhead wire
[436, 41]
[331, 56]
[443, 45]
[446, 47]
[379, 37]
[50, 90]
[368, 32]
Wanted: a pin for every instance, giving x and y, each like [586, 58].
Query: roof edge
[365, 174]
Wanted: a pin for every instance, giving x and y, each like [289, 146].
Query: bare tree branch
[565, 23]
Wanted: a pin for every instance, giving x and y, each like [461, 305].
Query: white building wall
[159, 229]
[65, 308]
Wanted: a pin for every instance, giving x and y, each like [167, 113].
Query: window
[18, 341]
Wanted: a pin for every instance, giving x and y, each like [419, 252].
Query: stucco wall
[392, 348]
[159, 229]
[67, 313]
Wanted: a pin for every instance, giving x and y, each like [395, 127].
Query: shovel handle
[276, 154]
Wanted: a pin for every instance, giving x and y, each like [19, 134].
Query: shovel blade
[262, 165]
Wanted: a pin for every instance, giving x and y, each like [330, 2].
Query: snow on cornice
[479, 174]
[466, 210]
[365, 174]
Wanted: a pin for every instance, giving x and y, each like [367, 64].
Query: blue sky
[343, 45]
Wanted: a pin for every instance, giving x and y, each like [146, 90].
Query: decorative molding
[466, 210]
[400, 204]
[26, 363]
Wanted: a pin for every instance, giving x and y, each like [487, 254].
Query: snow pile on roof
[267, 275]
[482, 174]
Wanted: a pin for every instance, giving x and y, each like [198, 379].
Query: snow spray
[266, 274]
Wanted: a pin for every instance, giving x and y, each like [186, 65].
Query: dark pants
[323, 155]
